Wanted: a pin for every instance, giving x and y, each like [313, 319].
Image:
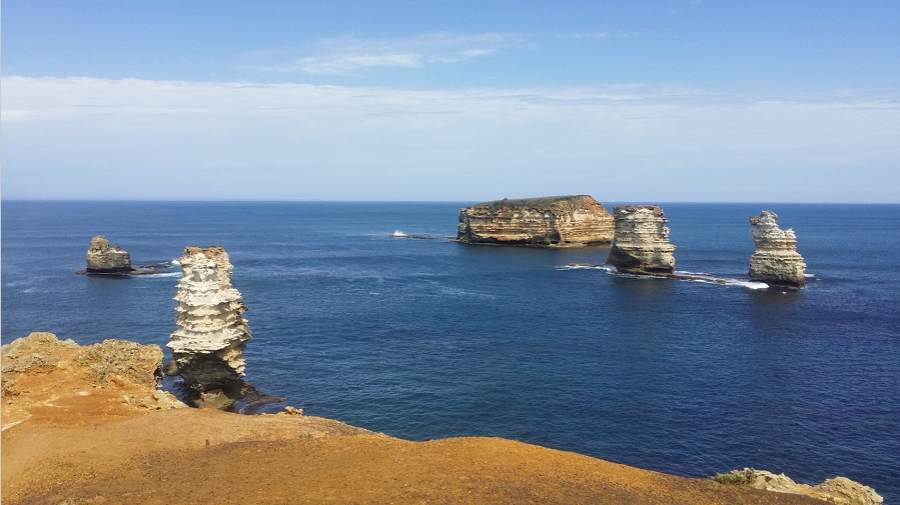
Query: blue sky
[627, 101]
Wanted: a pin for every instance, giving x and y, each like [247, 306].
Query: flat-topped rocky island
[554, 221]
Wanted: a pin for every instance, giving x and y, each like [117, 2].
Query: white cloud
[343, 55]
[95, 138]
[605, 35]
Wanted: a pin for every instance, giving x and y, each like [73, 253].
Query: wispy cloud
[605, 35]
[345, 55]
[81, 137]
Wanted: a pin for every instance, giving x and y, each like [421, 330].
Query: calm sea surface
[425, 339]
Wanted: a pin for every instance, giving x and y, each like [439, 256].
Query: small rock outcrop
[102, 259]
[839, 490]
[40, 371]
[642, 241]
[557, 221]
[776, 260]
[208, 345]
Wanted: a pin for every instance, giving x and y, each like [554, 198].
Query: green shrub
[744, 476]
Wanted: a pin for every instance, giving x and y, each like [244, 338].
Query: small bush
[744, 476]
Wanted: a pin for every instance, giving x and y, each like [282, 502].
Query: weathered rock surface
[102, 259]
[642, 241]
[776, 260]
[208, 345]
[840, 490]
[40, 372]
[558, 221]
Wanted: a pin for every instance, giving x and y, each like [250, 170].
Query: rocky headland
[89, 425]
[776, 260]
[558, 221]
[208, 346]
[641, 241]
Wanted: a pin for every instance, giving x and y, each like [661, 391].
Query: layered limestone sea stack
[776, 260]
[555, 221]
[642, 241]
[102, 259]
[208, 345]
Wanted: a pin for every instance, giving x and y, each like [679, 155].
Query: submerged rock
[557, 221]
[776, 260]
[642, 241]
[208, 345]
[102, 259]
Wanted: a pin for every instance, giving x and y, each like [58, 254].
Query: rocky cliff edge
[88, 425]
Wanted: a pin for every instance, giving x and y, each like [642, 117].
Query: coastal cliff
[559, 221]
[776, 260]
[102, 259]
[641, 241]
[88, 425]
[209, 343]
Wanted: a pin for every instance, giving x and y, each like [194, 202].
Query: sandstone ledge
[101, 448]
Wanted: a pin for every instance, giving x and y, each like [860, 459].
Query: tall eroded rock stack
[776, 260]
[102, 259]
[642, 241]
[209, 342]
[556, 221]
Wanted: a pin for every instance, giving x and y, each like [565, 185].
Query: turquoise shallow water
[424, 339]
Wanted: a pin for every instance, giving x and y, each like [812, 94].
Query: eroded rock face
[840, 490]
[102, 259]
[209, 343]
[559, 221]
[40, 370]
[776, 260]
[642, 241]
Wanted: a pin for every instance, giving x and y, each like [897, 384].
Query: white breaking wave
[175, 263]
[701, 277]
[163, 274]
[398, 233]
[809, 275]
[607, 268]
[711, 279]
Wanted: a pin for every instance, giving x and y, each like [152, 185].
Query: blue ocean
[425, 339]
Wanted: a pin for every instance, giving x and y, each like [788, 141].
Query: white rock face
[776, 260]
[840, 490]
[642, 241]
[209, 342]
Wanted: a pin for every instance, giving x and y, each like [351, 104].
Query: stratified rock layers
[642, 241]
[556, 221]
[776, 260]
[101, 259]
[209, 342]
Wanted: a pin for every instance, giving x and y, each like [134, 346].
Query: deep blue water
[424, 339]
